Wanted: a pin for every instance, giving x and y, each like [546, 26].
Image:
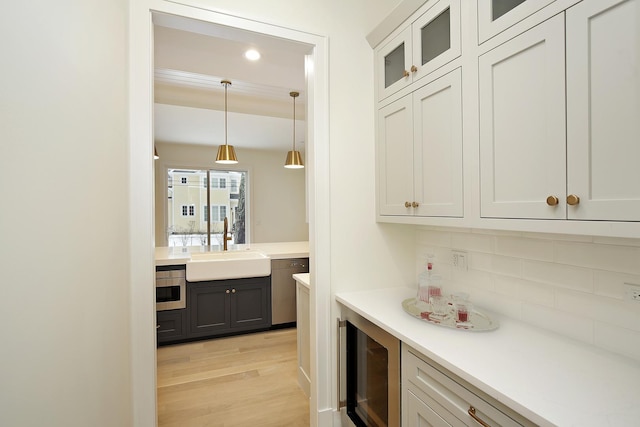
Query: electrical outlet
[459, 260]
[632, 292]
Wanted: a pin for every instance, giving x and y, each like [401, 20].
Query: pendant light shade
[226, 153]
[155, 153]
[294, 159]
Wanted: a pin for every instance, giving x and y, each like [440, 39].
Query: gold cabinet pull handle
[573, 200]
[552, 200]
[415, 204]
[414, 68]
[405, 73]
[472, 412]
[407, 204]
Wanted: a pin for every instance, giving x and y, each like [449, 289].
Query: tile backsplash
[571, 285]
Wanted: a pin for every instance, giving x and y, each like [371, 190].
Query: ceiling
[191, 58]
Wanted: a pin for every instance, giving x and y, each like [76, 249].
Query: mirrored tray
[478, 321]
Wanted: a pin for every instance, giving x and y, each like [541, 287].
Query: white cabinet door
[393, 62]
[429, 42]
[522, 125]
[436, 37]
[395, 158]
[437, 112]
[495, 16]
[603, 109]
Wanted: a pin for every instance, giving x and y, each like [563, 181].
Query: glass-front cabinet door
[495, 16]
[430, 42]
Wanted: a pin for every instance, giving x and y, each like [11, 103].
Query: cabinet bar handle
[414, 68]
[552, 200]
[407, 204]
[472, 412]
[573, 200]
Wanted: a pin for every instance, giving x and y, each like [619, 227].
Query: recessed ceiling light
[252, 55]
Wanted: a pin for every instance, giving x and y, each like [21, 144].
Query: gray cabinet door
[171, 325]
[250, 304]
[208, 304]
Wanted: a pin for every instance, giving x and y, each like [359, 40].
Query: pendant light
[294, 160]
[226, 153]
[155, 153]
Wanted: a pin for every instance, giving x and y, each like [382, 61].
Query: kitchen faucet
[224, 234]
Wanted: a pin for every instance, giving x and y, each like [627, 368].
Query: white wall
[277, 195]
[572, 285]
[65, 352]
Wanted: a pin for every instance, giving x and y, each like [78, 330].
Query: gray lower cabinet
[224, 307]
[171, 325]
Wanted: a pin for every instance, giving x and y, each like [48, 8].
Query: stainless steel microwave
[171, 289]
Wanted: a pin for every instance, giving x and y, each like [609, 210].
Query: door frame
[141, 201]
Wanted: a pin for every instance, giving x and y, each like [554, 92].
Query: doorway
[141, 201]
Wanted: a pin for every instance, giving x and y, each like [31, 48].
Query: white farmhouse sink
[227, 265]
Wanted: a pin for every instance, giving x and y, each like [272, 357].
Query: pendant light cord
[226, 85]
[294, 123]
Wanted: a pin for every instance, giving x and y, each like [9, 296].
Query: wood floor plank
[238, 381]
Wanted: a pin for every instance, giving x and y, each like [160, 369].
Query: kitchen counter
[550, 379]
[303, 279]
[177, 255]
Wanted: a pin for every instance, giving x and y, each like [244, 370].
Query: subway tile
[559, 237]
[475, 279]
[622, 259]
[609, 310]
[525, 248]
[536, 293]
[619, 241]
[507, 266]
[472, 242]
[507, 286]
[480, 261]
[565, 276]
[610, 284]
[567, 324]
[618, 340]
[501, 304]
[434, 238]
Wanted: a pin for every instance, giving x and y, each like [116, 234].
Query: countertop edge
[516, 347]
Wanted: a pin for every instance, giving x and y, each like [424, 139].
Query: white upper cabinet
[426, 44]
[522, 125]
[603, 109]
[545, 157]
[495, 16]
[420, 151]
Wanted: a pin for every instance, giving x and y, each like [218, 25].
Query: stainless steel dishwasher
[283, 289]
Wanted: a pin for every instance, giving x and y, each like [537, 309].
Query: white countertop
[176, 255]
[304, 279]
[547, 378]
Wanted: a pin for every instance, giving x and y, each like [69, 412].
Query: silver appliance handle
[342, 325]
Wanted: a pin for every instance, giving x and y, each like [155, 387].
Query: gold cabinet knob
[227, 291]
[405, 73]
[573, 200]
[414, 68]
[552, 200]
[407, 204]
[415, 204]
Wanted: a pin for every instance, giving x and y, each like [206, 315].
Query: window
[218, 213]
[188, 210]
[188, 200]
[219, 183]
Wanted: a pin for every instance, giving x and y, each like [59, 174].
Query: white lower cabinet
[432, 396]
[420, 151]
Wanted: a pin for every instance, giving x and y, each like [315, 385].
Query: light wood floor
[247, 380]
